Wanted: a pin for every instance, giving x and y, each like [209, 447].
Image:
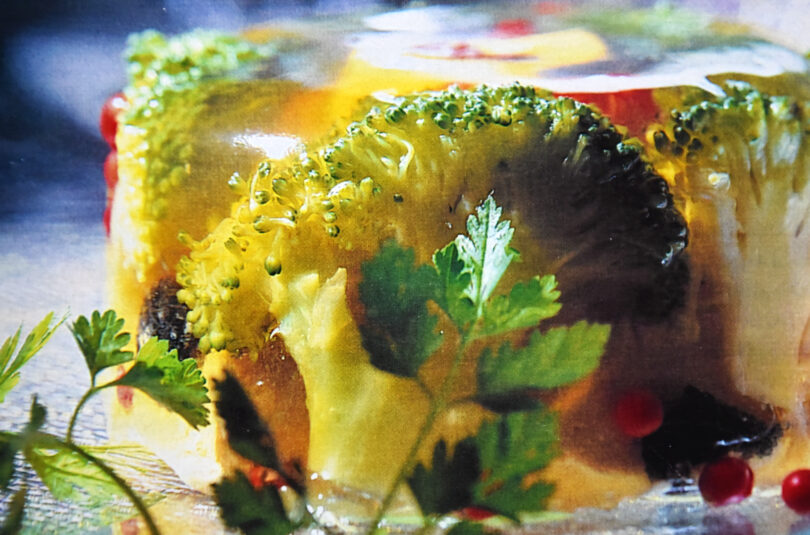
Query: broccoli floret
[176, 87]
[590, 207]
[583, 202]
[738, 165]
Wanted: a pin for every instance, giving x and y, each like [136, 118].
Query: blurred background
[60, 59]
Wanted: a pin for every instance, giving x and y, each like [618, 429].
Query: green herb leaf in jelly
[247, 434]
[550, 359]
[399, 332]
[252, 511]
[466, 528]
[485, 251]
[510, 447]
[527, 304]
[446, 485]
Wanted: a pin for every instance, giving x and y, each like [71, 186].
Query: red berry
[111, 170]
[638, 413]
[796, 491]
[476, 514]
[726, 481]
[108, 122]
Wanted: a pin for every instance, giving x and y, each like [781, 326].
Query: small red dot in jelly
[796, 491]
[259, 477]
[726, 481]
[131, 526]
[513, 28]
[476, 514]
[107, 215]
[111, 170]
[638, 413]
[108, 121]
[124, 394]
[551, 7]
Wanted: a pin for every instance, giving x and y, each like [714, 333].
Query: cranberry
[796, 490]
[108, 122]
[638, 413]
[111, 170]
[726, 481]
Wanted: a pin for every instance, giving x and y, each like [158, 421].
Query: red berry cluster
[108, 125]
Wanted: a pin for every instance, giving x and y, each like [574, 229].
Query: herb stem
[109, 472]
[87, 395]
[437, 405]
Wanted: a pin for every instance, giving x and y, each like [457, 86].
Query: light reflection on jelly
[274, 146]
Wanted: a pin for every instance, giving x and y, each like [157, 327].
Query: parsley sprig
[464, 278]
[405, 304]
[72, 471]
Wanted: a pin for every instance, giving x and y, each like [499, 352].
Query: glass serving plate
[57, 263]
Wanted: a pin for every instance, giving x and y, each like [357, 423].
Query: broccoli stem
[437, 405]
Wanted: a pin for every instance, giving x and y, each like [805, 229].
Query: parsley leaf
[509, 448]
[10, 369]
[455, 280]
[254, 512]
[8, 451]
[177, 385]
[15, 514]
[485, 252]
[527, 304]
[70, 476]
[12, 443]
[247, 433]
[446, 486]
[466, 528]
[400, 331]
[101, 340]
[557, 357]
[512, 497]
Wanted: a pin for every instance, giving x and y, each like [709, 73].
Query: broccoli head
[583, 202]
[738, 166]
